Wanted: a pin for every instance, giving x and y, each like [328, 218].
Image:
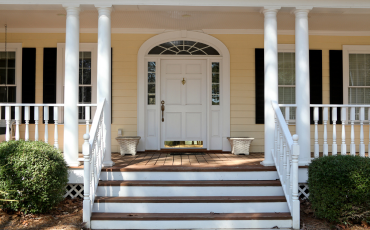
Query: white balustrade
[285, 156]
[56, 144]
[46, 119]
[351, 115]
[94, 152]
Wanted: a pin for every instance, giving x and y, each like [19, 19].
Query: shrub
[35, 173]
[340, 188]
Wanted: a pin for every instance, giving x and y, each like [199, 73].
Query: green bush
[340, 188]
[35, 173]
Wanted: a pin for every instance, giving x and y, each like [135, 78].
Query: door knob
[162, 108]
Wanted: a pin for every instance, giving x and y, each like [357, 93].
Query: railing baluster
[287, 114]
[325, 145]
[46, 119]
[287, 184]
[316, 119]
[362, 144]
[284, 163]
[17, 119]
[295, 201]
[56, 109]
[86, 149]
[36, 113]
[281, 154]
[343, 147]
[278, 147]
[353, 145]
[334, 148]
[7, 121]
[27, 121]
[87, 117]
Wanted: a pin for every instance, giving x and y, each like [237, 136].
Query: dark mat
[187, 153]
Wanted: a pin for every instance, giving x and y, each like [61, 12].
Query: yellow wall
[125, 49]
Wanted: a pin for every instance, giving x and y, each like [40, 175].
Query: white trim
[141, 81]
[348, 49]
[206, 31]
[17, 48]
[90, 47]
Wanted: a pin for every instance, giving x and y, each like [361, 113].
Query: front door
[184, 92]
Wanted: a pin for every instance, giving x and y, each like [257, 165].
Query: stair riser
[263, 207]
[189, 191]
[195, 224]
[257, 175]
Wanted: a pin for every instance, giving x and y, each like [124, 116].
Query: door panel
[185, 104]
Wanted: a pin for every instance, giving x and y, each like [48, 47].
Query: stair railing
[93, 151]
[285, 155]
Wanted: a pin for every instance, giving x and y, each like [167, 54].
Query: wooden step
[200, 183]
[190, 216]
[191, 199]
[204, 168]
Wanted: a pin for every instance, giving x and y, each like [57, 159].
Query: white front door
[184, 92]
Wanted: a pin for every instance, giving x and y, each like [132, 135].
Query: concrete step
[191, 204]
[190, 220]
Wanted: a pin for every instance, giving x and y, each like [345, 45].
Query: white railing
[350, 115]
[93, 150]
[285, 155]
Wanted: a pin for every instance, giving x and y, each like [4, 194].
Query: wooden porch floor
[165, 159]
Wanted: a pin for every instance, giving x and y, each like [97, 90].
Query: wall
[124, 85]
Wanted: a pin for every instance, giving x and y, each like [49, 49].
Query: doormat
[187, 153]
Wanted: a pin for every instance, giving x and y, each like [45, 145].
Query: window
[84, 89]
[151, 83]
[356, 72]
[183, 48]
[215, 83]
[286, 80]
[87, 90]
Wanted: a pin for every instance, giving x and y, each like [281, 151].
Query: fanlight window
[183, 48]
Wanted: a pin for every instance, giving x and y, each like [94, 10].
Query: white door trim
[143, 58]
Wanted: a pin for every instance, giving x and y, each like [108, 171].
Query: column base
[108, 164]
[73, 164]
[268, 163]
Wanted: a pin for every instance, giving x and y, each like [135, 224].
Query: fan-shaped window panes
[183, 48]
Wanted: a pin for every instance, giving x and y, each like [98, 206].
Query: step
[190, 188]
[190, 220]
[192, 204]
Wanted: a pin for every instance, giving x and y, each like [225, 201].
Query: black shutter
[260, 86]
[315, 82]
[336, 80]
[28, 80]
[50, 79]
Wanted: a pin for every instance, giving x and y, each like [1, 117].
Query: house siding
[124, 84]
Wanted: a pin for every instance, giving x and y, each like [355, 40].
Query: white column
[104, 73]
[302, 85]
[71, 85]
[271, 79]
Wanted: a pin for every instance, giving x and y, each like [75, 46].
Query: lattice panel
[303, 191]
[74, 190]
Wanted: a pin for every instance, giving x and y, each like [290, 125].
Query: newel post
[295, 201]
[86, 150]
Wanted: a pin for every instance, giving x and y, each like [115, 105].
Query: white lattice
[74, 190]
[128, 144]
[303, 192]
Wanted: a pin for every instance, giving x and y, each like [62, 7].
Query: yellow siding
[125, 49]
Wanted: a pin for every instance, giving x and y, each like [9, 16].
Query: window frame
[17, 48]
[84, 47]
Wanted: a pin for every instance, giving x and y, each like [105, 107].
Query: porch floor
[165, 159]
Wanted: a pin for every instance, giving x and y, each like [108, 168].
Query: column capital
[270, 9]
[72, 8]
[302, 9]
[104, 9]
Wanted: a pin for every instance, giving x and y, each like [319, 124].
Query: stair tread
[200, 183]
[203, 168]
[190, 216]
[191, 199]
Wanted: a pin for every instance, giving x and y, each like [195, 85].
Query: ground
[67, 216]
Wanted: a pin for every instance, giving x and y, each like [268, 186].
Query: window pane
[151, 77]
[215, 67]
[3, 76]
[151, 99]
[359, 70]
[7, 94]
[215, 83]
[215, 100]
[11, 76]
[87, 76]
[84, 94]
[215, 89]
[151, 82]
[151, 88]
[215, 78]
[286, 70]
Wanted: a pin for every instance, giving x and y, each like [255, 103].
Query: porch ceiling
[182, 17]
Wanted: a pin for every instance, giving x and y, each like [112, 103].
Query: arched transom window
[183, 48]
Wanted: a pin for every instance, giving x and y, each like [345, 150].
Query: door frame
[150, 140]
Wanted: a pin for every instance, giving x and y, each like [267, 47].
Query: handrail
[285, 155]
[94, 151]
